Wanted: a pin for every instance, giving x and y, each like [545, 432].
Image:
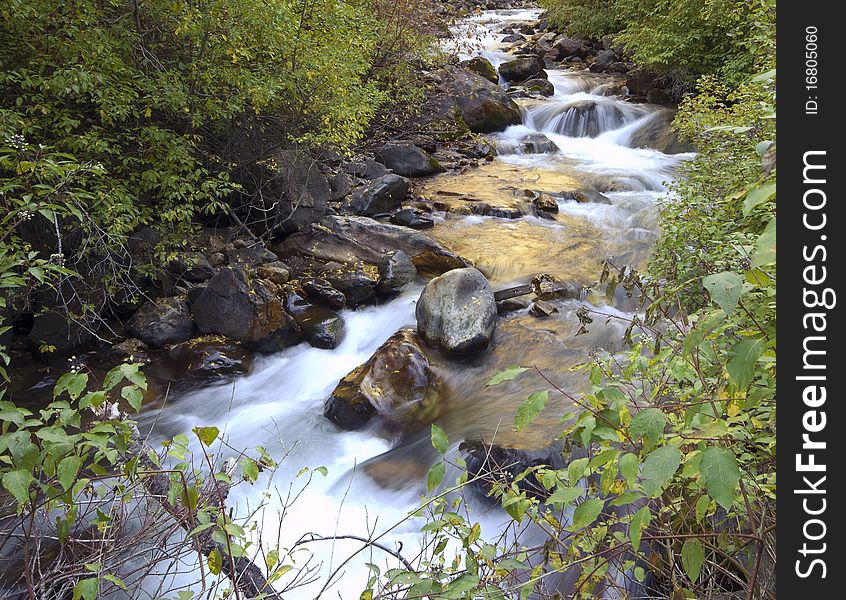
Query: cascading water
[279, 405]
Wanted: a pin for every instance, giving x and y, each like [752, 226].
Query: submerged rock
[162, 322]
[248, 311]
[413, 218]
[203, 360]
[457, 311]
[397, 385]
[537, 143]
[584, 196]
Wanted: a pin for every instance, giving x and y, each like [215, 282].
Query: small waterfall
[582, 117]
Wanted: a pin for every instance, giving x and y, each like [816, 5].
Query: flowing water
[373, 483]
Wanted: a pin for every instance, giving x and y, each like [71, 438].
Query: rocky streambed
[373, 311]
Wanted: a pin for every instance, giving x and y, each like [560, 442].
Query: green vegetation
[720, 37]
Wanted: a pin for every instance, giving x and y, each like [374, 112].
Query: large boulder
[396, 272]
[603, 61]
[567, 47]
[246, 310]
[484, 106]
[457, 311]
[162, 322]
[521, 69]
[481, 66]
[190, 266]
[201, 361]
[321, 327]
[382, 195]
[404, 158]
[656, 132]
[357, 280]
[58, 335]
[397, 385]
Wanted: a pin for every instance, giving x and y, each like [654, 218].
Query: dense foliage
[725, 37]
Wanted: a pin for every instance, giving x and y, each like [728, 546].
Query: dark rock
[619, 67]
[546, 203]
[521, 69]
[487, 464]
[658, 96]
[202, 360]
[190, 266]
[53, 329]
[357, 281]
[512, 38]
[604, 60]
[397, 385]
[640, 81]
[381, 195]
[248, 311]
[129, 350]
[584, 196]
[542, 87]
[275, 272]
[568, 47]
[512, 305]
[374, 170]
[537, 143]
[541, 308]
[655, 132]
[413, 218]
[321, 327]
[217, 259]
[297, 196]
[457, 311]
[404, 158]
[482, 66]
[340, 185]
[484, 106]
[549, 288]
[162, 322]
[320, 290]
[250, 257]
[396, 272]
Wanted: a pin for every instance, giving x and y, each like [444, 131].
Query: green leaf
[215, 561]
[435, 476]
[765, 248]
[720, 475]
[649, 425]
[693, 557]
[506, 375]
[565, 495]
[640, 521]
[660, 465]
[86, 589]
[743, 357]
[73, 383]
[439, 439]
[587, 512]
[207, 435]
[17, 483]
[530, 409]
[67, 471]
[725, 289]
[702, 506]
[758, 195]
[133, 395]
[629, 464]
[249, 468]
[458, 587]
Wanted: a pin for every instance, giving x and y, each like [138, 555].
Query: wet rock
[484, 106]
[482, 66]
[54, 330]
[541, 87]
[275, 272]
[546, 41]
[357, 281]
[512, 38]
[129, 350]
[457, 311]
[541, 308]
[413, 218]
[584, 196]
[404, 158]
[512, 305]
[537, 143]
[619, 67]
[546, 203]
[248, 311]
[640, 81]
[190, 266]
[396, 272]
[397, 385]
[521, 69]
[320, 290]
[381, 195]
[568, 47]
[549, 288]
[321, 327]
[203, 360]
[656, 133]
[492, 463]
[162, 322]
[603, 60]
